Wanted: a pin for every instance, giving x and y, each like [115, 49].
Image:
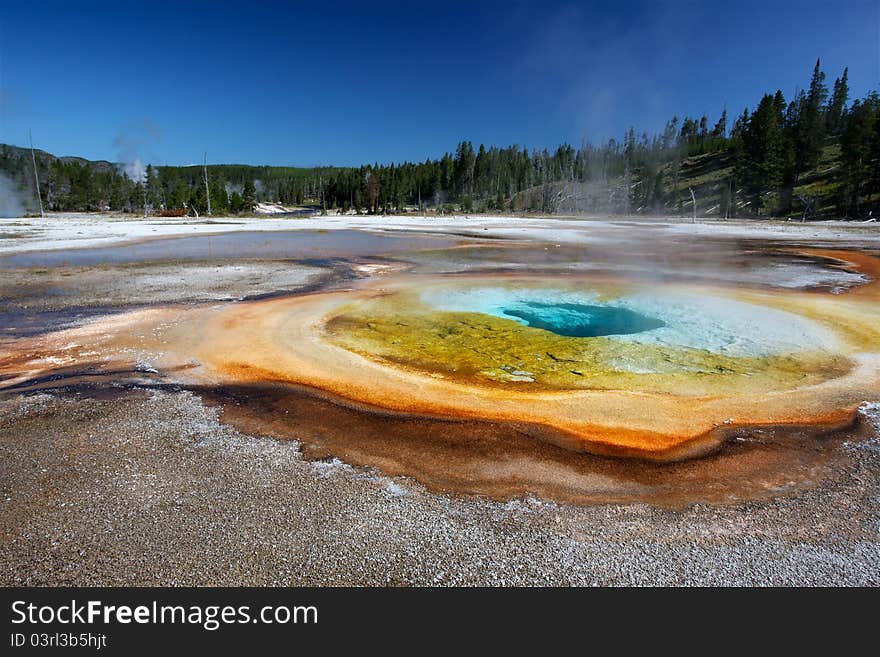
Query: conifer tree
[762, 164]
[859, 145]
[811, 123]
[248, 196]
[837, 104]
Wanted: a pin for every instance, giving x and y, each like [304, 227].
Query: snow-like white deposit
[82, 230]
[76, 230]
[272, 208]
[871, 412]
[714, 323]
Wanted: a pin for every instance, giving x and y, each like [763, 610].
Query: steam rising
[133, 146]
[11, 202]
[136, 170]
[599, 68]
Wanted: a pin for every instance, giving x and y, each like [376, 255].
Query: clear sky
[323, 82]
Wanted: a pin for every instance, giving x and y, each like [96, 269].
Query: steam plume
[133, 144]
[11, 204]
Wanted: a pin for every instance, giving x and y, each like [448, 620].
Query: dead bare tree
[36, 175]
[694, 201]
[729, 198]
[207, 191]
[807, 202]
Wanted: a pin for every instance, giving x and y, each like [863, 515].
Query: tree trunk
[207, 191]
[36, 176]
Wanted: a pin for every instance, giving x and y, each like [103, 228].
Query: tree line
[781, 157]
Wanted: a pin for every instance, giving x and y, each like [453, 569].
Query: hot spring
[570, 336]
[500, 381]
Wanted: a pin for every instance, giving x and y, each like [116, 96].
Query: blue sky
[349, 83]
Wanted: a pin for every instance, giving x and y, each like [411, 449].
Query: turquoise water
[674, 318]
[580, 320]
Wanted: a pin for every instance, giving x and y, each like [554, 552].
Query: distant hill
[814, 156]
[13, 158]
[712, 178]
[817, 189]
[69, 183]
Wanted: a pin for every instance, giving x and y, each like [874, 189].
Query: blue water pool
[580, 320]
[669, 317]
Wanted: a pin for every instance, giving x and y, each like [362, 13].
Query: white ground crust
[73, 230]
